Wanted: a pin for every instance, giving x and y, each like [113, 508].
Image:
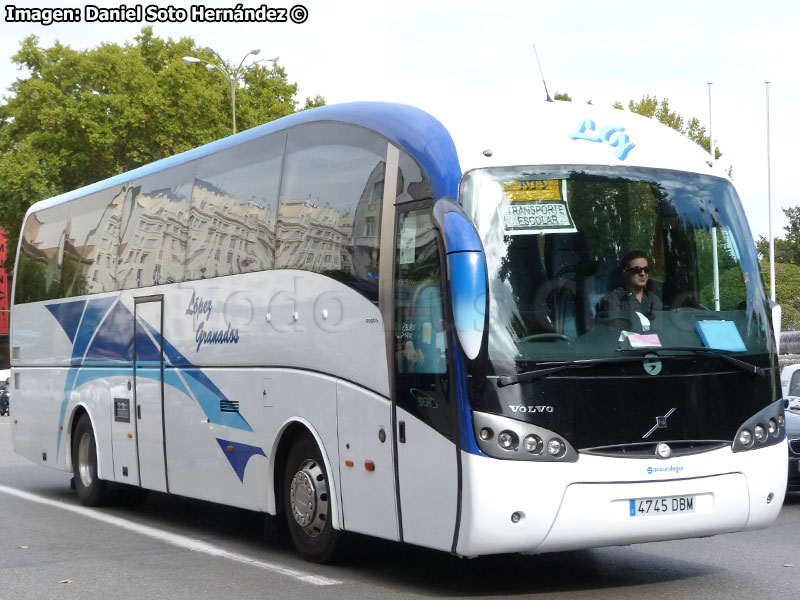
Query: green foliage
[659, 110]
[652, 108]
[564, 97]
[629, 209]
[732, 291]
[786, 250]
[85, 115]
[787, 292]
[793, 228]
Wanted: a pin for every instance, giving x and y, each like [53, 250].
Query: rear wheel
[91, 490]
[307, 501]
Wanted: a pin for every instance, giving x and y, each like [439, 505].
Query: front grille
[648, 450]
[794, 447]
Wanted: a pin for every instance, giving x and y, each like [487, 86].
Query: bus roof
[563, 133]
[410, 128]
[553, 133]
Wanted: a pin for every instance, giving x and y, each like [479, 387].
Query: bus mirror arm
[466, 275]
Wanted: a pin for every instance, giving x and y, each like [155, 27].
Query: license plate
[645, 507]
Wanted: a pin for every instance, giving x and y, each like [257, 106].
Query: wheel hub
[84, 463]
[308, 497]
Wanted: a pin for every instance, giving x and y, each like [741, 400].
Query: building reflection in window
[329, 213]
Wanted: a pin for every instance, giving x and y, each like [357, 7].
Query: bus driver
[631, 306]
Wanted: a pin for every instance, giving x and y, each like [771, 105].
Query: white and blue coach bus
[340, 319]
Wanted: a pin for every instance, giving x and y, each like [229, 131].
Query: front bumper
[586, 504]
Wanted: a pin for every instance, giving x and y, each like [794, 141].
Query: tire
[307, 503]
[91, 490]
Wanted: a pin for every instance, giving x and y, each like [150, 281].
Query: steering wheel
[547, 337]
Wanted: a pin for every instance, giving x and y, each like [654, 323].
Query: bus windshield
[555, 239]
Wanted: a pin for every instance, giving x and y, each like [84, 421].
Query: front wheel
[308, 504]
[91, 490]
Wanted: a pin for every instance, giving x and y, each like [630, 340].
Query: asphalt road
[171, 547]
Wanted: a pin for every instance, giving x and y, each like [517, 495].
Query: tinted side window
[412, 184]
[41, 256]
[154, 228]
[90, 251]
[421, 383]
[329, 214]
[234, 209]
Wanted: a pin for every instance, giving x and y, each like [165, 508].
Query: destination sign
[535, 206]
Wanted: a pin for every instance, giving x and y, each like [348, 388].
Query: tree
[787, 292]
[786, 250]
[84, 115]
[659, 110]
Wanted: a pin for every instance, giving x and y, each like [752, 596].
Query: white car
[790, 386]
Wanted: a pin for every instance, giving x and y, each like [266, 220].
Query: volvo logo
[661, 423]
[652, 364]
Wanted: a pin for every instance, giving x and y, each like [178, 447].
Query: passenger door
[425, 418]
[149, 392]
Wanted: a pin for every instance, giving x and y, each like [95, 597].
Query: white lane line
[173, 539]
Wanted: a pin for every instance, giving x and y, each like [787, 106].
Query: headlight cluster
[502, 437]
[765, 428]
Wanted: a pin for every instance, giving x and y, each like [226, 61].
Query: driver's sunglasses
[638, 270]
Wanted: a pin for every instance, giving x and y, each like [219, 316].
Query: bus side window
[153, 228]
[330, 204]
[233, 210]
[421, 384]
[41, 255]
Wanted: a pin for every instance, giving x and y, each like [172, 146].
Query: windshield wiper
[554, 367]
[638, 354]
[715, 352]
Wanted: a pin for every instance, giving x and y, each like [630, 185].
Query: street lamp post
[769, 211]
[714, 249]
[230, 74]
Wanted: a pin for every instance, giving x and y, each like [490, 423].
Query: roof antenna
[549, 99]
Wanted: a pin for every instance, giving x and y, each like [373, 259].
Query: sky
[446, 56]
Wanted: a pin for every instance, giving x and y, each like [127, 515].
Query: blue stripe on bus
[107, 338]
[114, 338]
[239, 455]
[96, 309]
[146, 347]
[210, 398]
[68, 385]
[466, 430]
[204, 391]
[68, 315]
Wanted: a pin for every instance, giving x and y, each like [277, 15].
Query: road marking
[173, 539]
